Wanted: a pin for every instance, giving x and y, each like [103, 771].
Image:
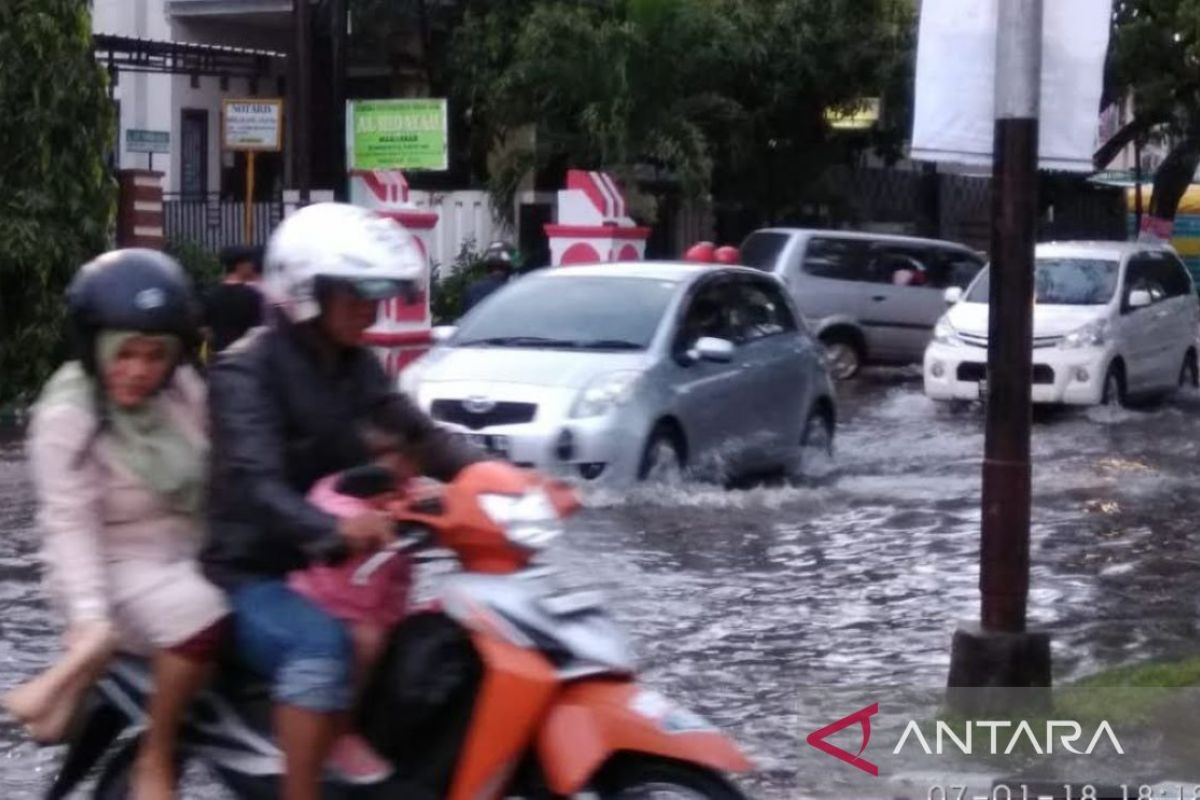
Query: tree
[1155, 58]
[57, 205]
[687, 90]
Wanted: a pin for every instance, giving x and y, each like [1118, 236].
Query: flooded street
[748, 605]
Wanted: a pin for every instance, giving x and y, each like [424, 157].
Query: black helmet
[130, 290]
[499, 255]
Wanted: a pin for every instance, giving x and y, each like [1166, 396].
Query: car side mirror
[709, 348]
[1140, 298]
[442, 332]
[953, 295]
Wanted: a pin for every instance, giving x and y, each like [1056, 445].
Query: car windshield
[1063, 282]
[597, 313]
[761, 250]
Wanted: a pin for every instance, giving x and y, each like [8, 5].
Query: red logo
[863, 718]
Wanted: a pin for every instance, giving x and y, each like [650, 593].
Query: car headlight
[1094, 334]
[605, 393]
[529, 520]
[944, 333]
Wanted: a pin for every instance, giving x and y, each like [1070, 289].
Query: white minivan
[1111, 320]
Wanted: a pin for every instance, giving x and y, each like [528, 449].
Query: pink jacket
[112, 547]
[383, 601]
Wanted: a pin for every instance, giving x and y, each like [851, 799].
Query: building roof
[131, 54]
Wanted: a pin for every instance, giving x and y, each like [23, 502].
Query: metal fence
[213, 222]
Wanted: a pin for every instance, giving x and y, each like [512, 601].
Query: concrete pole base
[991, 672]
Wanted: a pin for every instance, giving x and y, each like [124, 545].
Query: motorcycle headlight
[944, 333]
[605, 393]
[1094, 334]
[529, 520]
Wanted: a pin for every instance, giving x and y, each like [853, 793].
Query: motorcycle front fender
[592, 721]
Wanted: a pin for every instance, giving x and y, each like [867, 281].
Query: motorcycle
[507, 685]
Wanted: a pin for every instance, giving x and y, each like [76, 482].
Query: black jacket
[285, 412]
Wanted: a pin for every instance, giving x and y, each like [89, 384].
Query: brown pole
[248, 220]
[1137, 184]
[302, 112]
[1004, 567]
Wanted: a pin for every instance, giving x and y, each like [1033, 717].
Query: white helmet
[342, 242]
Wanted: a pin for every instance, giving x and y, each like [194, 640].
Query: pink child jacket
[383, 601]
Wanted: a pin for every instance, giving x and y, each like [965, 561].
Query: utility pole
[1000, 652]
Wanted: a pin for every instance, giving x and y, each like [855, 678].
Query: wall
[145, 99]
[462, 216]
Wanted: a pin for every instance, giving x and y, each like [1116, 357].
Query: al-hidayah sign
[143, 141]
[397, 134]
[252, 124]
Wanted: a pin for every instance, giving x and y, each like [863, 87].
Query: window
[760, 311]
[577, 312]
[1063, 282]
[1171, 275]
[193, 152]
[1142, 275]
[709, 313]
[956, 269]
[761, 250]
[843, 259]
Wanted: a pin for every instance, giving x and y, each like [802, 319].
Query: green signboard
[142, 141]
[397, 134]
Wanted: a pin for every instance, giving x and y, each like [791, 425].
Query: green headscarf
[145, 439]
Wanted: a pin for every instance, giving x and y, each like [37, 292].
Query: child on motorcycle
[369, 610]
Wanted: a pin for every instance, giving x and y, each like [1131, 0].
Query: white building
[188, 105]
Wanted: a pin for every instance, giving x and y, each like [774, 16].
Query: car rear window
[761, 250]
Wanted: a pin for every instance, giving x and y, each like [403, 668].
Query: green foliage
[56, 207]
[450, 285]
[1155, 58]
[202, 267]
[672, 88]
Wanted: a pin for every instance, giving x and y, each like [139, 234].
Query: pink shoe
[355, 762]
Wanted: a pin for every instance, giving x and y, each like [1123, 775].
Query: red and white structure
[404, 330]
[593, 223]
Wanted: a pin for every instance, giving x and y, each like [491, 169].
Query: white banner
[956, 65]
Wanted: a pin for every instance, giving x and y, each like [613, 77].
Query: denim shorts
[304, 652]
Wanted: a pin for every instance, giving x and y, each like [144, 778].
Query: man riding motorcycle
[285, 404]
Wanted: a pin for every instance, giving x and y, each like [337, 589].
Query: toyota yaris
[626, 372]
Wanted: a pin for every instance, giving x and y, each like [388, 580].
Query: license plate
[571, 603]
[489, 443]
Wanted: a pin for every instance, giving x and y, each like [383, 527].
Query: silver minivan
[870, 298]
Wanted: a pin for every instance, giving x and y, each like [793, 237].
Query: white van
[1111, 320]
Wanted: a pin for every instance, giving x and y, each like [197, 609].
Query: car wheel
[1189, 375]
[1114, 387]
[662, 459]
[816, 443]
[844, 358]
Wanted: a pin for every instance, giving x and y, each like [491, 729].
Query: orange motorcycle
[506, 685]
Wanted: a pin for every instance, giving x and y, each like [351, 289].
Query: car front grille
[1039, 343]
[459, 412]
[974, 372]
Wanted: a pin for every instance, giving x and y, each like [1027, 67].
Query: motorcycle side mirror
[367, 480]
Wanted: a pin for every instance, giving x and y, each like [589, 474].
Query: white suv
[1112, 319]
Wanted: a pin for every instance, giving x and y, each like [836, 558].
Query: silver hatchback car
[633, 371]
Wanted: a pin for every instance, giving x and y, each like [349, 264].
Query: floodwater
[751, 606]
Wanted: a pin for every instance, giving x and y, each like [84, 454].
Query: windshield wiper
[608, 344]
[516, 341]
